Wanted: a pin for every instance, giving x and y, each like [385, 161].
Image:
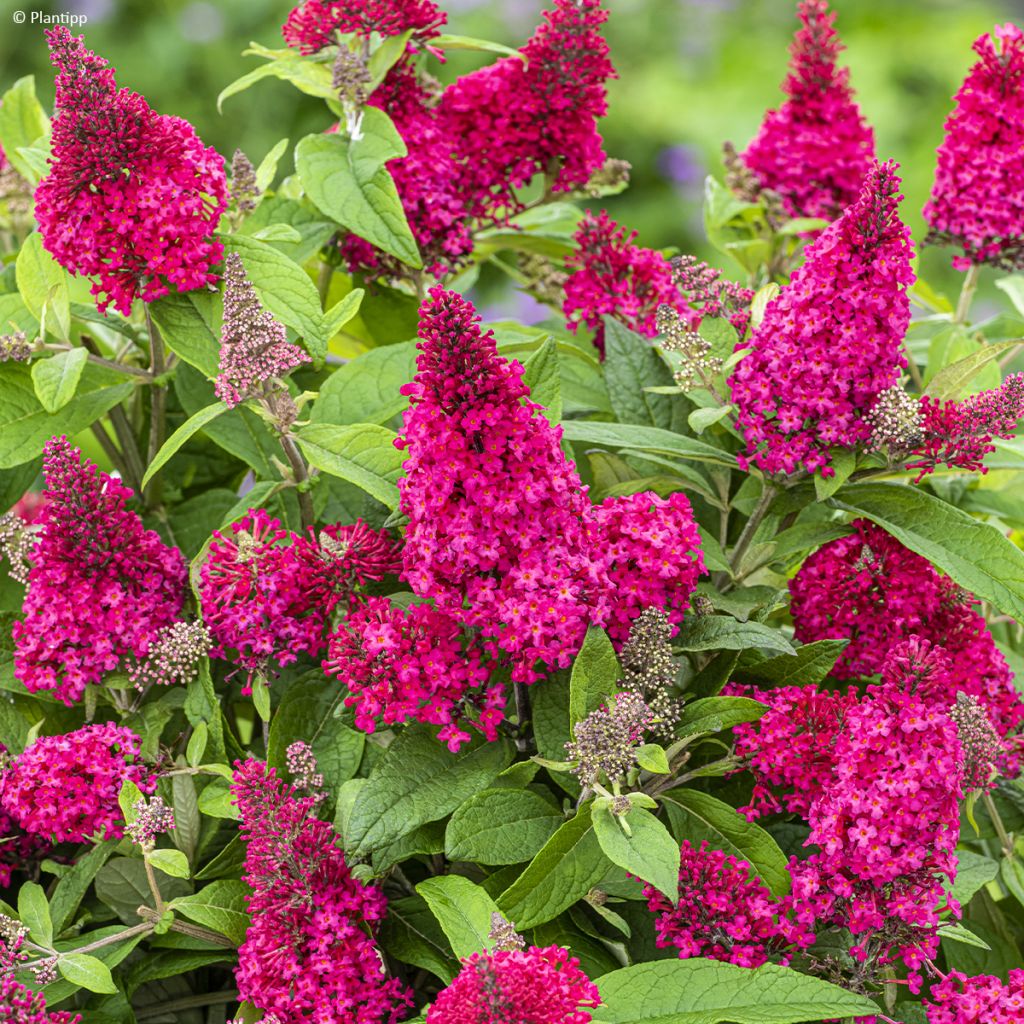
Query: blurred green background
[692, 74]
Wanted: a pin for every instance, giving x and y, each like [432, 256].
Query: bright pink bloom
[958, 999]
[65, 788]
[960, 434]
[401, 664]
[309, 953]
[256, 596]
[133, 197]
[18, 1004]
[977, 201]
[831, 341]
[517, 986]
[647, 551]
[533, 113]
[870, 589]
[613, 277]
[725, 913]
[708, 294]
[497, 535]
[816, 148]
[254, 346]
[100, 587]
[315, 24]
[19, 851]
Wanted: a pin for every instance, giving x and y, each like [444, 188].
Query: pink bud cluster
[815, 150]
[612, 276]
[19, 850]
[267, 593]
[502, 536]
[133, 197]
[831, 341]
[960, 434]
[413, 664]
[543, 985]
[977, 200]
[315, 24]
[958, 999]
[18, 1004]
[65, 788]
[725, 913]
[101, 587]
[871, 590]
[309, 952]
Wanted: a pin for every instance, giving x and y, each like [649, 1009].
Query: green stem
[970, 286]
[158, 900]
[195, 931]
[1004, 837]
[187, 1003]
[301, 473]
[747, 536]
[323, 283]
[157, 405]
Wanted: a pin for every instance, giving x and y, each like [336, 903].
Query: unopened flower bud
[606, 739]
[503, 934]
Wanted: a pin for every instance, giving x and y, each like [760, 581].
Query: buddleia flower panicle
[15, 347]
[503, 934]
[244, 191]
[309, 951]
[174, 656]
[982, 999]
[815, 149]
[981, 744]
[896, 421]
[152, 818]
[19, 1004]
[132, 198]
[650, 671]
[977, 199]
[831, 341]
[17, 538]
[301, 762]
[606, 740]
[315, 24]
[254, 347]
[709, 295]
[697, 366]
[100, 587]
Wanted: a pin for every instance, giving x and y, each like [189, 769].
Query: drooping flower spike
[815, 150]
[133, 197]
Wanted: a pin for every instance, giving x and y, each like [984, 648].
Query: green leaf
[462, 909]
[418, 780]
[953, 381]
[701, 419]
[190, 427]
[649, 853]
[542, 376]
[631, 365]
[365, 390]
[809, 664]
[56, 379]
[87, 972]
[310, 77]
[501, 826]
[284, 288]
[410, 933]
[723, 633]
[844, 462]
[215, 801]
[197, 744]
[973, 873]
[361, 453]
[450, 42]
[267, 170]
[697, 816]
[44, 283]
[22, 123]
[170, 862]
[219, 906]
[652, 758]
[190, 325]
[595, 673]
[957, 933]
[701, 991]
[71, 889]
[34, 911]
[342, 312]
[713, 714]
[645, 439]
[566, 868]
[974, 554]
[127, 797]
[203, 705]
[121, 884]
[349, 182]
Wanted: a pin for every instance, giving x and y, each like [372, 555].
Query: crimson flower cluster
[543, 985]
[977, 200]
[309, 953]
[958, 999]
[101, 587]
[65, 788]
[133, 197]
[831, 341]
[815, 150]
[314, 24]
[725, 913]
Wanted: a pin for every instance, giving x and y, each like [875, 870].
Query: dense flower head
[151, 820]
[816, 148]
[977, 200]
[517, 986]
[101, 587]
[19, 850]
[983, 999]
[535, 112]
[612, 276]
[649, 670]
[725, 912]
[647, 551]
[309, 954]
[497, 534]
[65, 788]
[314, 24]
[173, 657]
[401, 664]
[256, 597]
[19, 1004]
[959, 434]
[831, 341]
[979, 740]
[606, 740]
[133, 197]
[869, 589]
[254, 347]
